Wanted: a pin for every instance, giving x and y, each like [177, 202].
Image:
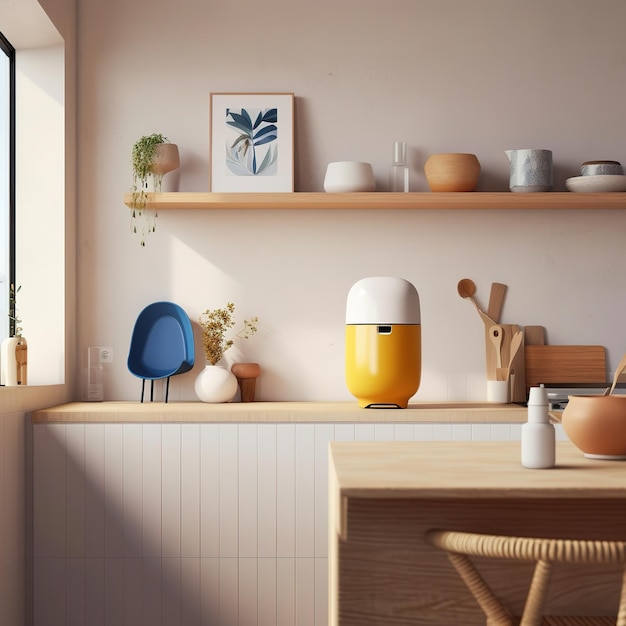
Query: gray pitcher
[531, 170]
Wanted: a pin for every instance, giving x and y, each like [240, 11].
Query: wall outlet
[106, 355]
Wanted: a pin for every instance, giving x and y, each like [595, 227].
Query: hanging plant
[146, 169]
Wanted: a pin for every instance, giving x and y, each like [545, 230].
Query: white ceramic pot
[498, 391]
[349, 176]
[8, 361]
[215, 384]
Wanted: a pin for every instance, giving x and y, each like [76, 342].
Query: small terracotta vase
[246, 374]
[453, 171]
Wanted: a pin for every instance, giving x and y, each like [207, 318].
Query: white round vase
[215, 384]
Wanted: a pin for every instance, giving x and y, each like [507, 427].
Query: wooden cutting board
[565, 364]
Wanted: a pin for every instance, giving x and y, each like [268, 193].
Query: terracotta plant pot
[452, 171]
[596, 425]
[166, 158]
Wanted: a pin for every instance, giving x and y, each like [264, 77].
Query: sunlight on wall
[40, 209]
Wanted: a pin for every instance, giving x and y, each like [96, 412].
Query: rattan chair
[459, 546]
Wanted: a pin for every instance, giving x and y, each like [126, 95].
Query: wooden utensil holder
[517, 376]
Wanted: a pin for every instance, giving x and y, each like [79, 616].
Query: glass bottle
[399, 168]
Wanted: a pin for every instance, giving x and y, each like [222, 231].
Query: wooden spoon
[620, 368]
[496, 300]
[508, 373]
[495, 334]
[466, 289]
[516, 342]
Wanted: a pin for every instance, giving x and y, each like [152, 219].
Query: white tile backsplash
[194, 524]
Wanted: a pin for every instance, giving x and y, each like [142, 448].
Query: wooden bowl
[452, 171]
[596, 425]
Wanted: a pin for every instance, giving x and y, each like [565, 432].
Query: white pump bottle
[538, 435]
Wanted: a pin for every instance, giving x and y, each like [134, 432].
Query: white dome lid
[383, 300]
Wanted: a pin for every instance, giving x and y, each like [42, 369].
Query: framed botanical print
[251, 142]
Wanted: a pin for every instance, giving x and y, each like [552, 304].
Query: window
[7, 179]
[37, 259]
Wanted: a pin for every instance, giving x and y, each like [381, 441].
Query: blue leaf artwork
[252, 146]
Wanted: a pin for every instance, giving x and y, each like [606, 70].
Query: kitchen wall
[442, 75]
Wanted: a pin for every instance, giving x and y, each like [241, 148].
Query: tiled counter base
[149, 514]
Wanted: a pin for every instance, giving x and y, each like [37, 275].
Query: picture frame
[251, 142]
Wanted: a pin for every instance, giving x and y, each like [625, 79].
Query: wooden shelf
[260, 412]
[384, 200]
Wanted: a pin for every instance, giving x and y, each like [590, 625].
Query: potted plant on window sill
[153, 156]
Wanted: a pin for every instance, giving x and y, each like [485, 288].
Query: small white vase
[216, 384]
[8, 362]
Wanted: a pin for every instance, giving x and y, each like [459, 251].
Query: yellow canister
[383, 342]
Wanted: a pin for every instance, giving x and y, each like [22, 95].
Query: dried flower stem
[215, 324]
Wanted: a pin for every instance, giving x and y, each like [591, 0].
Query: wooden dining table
[383, 497]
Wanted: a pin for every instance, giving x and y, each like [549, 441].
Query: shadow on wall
[98, 530]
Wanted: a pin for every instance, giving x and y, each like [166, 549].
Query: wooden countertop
[383, 497]
[273, 412]
[468, 469]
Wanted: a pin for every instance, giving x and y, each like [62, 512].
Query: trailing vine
[143, 156]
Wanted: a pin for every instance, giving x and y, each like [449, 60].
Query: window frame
[9, 50]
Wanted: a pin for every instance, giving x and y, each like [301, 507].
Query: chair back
[545, 553]
[161, 344]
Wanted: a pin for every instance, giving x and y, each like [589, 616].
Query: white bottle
[8, 362]
[399, 168]
[538, 436]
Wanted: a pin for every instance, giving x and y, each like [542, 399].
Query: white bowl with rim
[349, 176]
